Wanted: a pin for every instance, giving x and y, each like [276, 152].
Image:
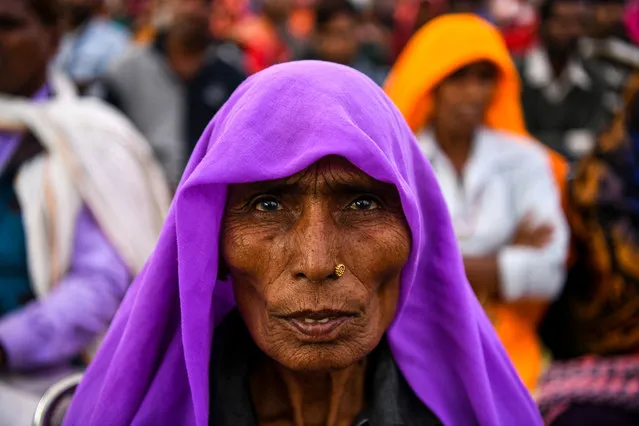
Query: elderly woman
[458, 89]
[307, 275]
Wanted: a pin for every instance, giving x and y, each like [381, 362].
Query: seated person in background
[592, 330]
[92, 42]
[171, 88]
[562, 96]
[458, 88]
[307, 275]
[335, 39]
[81, 202]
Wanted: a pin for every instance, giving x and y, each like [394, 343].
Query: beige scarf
[93, 156]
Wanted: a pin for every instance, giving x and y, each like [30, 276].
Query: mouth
[319, 326]
[470, 112]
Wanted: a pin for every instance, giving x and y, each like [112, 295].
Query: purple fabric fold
[154, 365]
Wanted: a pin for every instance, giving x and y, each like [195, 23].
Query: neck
[456, 146]
[558, 64]
[558, 59]
[317, 398]
[32, 86]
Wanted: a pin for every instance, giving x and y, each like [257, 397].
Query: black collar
[390, 400]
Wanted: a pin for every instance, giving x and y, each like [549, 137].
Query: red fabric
[261, 42]
[519, 39]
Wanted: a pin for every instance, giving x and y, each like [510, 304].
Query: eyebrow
[282, 187]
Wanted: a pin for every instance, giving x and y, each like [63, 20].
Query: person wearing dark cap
[562, 95]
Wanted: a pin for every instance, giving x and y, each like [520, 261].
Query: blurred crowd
[139, 54]
[556, 81]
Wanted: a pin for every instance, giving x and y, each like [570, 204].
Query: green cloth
[15, 288]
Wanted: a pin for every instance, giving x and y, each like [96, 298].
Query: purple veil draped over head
[153, 368]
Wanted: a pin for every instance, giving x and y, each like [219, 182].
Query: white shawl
[93, 156]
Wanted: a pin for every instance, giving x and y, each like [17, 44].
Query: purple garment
[153, 367]
[57, 328]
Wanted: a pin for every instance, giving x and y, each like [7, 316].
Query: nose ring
[339, 270]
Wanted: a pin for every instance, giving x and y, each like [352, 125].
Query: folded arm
[520, 271]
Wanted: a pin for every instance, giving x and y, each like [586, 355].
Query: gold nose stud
[339, 270]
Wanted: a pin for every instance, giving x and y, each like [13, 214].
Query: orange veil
[445, 45]
[438, 49]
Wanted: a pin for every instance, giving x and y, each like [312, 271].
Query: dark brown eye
[364, 203]
[268, 205]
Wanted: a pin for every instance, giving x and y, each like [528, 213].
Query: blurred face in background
[466, 6]
[27, 44]
[563, 29]
[606, 19]
[462, 99]
[336, 40]
[278, 10]
[190, 24]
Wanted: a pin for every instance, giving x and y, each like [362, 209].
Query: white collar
[538, 72]
[480, 151]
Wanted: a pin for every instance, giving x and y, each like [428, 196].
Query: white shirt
[504, 180]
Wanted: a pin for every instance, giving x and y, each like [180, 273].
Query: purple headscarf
[153, 368]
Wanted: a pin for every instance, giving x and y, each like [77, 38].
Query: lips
[319, 325]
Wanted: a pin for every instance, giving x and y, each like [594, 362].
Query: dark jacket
[171, 113]
[567, 113]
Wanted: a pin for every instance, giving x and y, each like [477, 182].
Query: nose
[474, 89]
[315, 239]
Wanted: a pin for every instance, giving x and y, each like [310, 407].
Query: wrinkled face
[26, 46]
[282, 241]
[336, 42]
[462, 99]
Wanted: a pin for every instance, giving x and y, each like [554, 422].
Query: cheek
[252, 251]
[377, 253]
[377, 256]
[489, 89]
[445, 102]
[19, 42]
[255, 258]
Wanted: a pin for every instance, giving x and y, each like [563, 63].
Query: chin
[331, 351]
[320, 357]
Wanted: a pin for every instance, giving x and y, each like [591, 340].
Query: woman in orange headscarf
[459, 91]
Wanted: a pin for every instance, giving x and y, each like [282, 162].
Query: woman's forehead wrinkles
[333, 177]
[324, 177]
